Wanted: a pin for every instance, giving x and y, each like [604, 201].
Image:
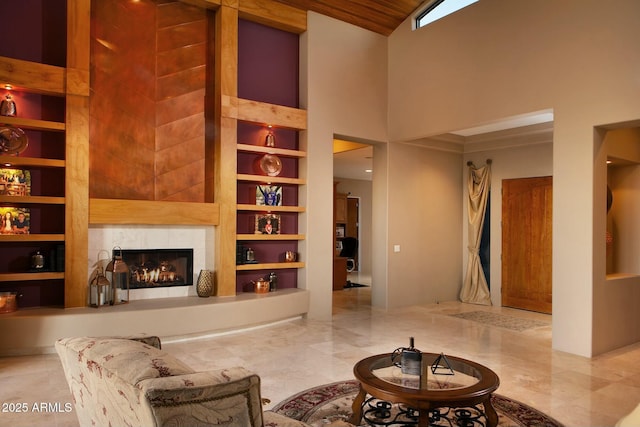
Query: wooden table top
[483, 381]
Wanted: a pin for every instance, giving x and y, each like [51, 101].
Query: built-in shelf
[31, 237]
[264, 208]
[270, 179]
[271, 150]
[262, 112]
[33, 200]
[246, 237]
[33, 77]
[620, 276]
[12, 161]
[270, 266]
[20, 277]
[34, 124]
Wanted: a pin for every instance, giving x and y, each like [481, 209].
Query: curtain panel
[475, 289]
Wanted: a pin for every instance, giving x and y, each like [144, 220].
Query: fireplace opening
[157, 268]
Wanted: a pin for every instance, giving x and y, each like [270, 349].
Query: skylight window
[439, 9]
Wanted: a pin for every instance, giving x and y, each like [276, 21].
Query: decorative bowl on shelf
[271, 164]
[12, 140]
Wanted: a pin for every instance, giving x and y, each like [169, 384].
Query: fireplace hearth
[156, 268]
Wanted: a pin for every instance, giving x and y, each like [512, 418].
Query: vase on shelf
[204, 287]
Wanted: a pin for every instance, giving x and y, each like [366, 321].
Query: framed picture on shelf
[269, 195]
[267, 224]
[340, 231]
[15, 182]
[14, 220]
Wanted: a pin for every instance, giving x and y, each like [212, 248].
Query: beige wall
[425, 220]
[499, 58]
[493, 59]
[344, 79]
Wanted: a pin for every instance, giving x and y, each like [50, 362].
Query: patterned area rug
[500, 320]
[330, 404]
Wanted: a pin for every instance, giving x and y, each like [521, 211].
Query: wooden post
[77, 154]
[225, 142]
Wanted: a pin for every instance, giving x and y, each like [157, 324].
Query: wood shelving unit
[22, 277]
[289, 118]
[249, 148]
[33, 124]
[31, 238]
[17, 162]
[12, 161]
[270, 179]
[263, 208]
[267, 237]
[48, 200]
[70, 82]
[270, 266]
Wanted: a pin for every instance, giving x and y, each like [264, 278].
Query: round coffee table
[466, 385]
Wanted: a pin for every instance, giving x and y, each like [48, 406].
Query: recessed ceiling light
[368, 170]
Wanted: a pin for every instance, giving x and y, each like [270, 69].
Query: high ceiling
[380, 16]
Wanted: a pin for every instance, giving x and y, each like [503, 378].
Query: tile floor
[295, 355]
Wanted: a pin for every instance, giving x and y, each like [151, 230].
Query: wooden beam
[76, 270]
[150, 212]
[206, 4]
[76, 201]
[225, 154]
[32, 76]
[263, 113]
[274, 14]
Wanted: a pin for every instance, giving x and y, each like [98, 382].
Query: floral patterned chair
[132, 382]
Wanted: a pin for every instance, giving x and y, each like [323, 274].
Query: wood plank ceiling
[380, 16]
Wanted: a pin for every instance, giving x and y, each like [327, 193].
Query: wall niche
[623, 217]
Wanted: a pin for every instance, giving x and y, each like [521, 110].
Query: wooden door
[526, 243]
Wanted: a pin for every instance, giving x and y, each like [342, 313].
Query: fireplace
[156, 268]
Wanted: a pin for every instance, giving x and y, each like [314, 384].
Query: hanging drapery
[475, 289]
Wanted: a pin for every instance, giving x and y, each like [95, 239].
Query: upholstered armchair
[131, 381]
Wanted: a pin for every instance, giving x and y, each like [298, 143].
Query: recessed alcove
[623, 181]
[615, 296]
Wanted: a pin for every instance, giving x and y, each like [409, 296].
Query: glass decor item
[117, 273]
[8, 106]
[99, 290]
[204, 287]
[269, 141]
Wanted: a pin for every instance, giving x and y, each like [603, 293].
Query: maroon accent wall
[267, 64]
[34, 30]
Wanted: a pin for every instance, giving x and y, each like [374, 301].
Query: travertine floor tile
[293, 356]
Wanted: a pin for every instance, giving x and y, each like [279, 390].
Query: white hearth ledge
[34, 331]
